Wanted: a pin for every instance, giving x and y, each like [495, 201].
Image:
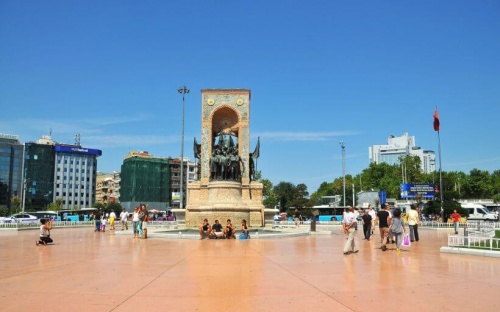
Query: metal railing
[468, 224]
[474, 242]
[36, 225]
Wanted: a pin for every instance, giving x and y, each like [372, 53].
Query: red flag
[436, 120]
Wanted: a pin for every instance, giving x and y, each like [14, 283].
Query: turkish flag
[436, 120]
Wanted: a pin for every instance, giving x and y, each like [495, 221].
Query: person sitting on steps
[217, 231]
[229, 231]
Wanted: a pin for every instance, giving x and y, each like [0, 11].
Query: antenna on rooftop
[77, 139]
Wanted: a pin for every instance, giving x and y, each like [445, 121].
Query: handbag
[406, 240]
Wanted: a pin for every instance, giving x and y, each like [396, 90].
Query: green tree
[114, 206]
[58, 204]
[98, 205]
[16, 203]
[285, 193]
[496, 198]
[479, 185]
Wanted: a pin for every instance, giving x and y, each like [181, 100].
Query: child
[103, 225]
[45, 232]
[397, 228]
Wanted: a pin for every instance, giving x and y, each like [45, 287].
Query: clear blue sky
[319, 72]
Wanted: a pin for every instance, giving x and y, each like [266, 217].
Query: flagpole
[440, 178]
[436, 128]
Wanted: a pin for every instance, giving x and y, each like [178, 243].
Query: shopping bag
[406, 240]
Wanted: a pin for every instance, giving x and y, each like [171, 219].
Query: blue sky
[319, 72]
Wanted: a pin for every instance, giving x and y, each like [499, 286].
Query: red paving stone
[87, 271]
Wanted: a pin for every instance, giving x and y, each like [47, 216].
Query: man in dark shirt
[217, 230]
[384, 220]
[367, 224]
[97, 218]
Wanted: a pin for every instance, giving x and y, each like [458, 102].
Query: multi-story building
[107, 187]
[190, 174]
[39, 164]
[11, 178]
[145, 179]
[398, 147]
[75, 175]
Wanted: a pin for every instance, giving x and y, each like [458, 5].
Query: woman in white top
[135, 222]
[45, 232]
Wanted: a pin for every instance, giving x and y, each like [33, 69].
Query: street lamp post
[182, 90]
[342, 145]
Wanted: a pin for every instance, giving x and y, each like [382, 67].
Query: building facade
[39, 162]
[402, 146]
[190, 174]
[75, 175]
[11, 178]
[145, 179]
[108, 187]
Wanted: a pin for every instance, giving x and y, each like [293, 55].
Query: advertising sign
[79, 150]
[382, 195]
[176, 197]
[409, 191]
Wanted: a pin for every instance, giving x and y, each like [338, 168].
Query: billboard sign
[176, 197]
[77, 149]
[409, 191]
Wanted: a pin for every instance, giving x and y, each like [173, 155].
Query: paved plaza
[87, 271]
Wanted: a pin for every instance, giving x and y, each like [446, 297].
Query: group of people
[217, 231]
[140, 222]
[391, 226]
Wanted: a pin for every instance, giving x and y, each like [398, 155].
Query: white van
[479, 212]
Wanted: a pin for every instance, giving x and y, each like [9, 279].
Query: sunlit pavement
[87, 271]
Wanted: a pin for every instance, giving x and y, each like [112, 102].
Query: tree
[98, 205]
[114, 206]
[479, 184]
[58, 204]
[301, 196]
[496, 198]
[285, 193]
[16, 203]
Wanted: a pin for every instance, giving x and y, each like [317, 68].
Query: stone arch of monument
[225, 118]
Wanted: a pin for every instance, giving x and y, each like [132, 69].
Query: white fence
[36, 225]
[475, 242]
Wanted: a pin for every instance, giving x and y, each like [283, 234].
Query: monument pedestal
[222, 200]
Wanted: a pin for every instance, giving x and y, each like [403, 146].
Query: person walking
[413, 222]
[367, 224]
[112, 218]
[123, 219]
[97, 219]
[456, 220]
[384, 220]
[397, 228]
[373, 214]
[348, 225]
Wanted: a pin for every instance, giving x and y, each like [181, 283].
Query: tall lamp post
[342, 145]
[182, 90]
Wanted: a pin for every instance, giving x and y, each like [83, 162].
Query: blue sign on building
[409, 191]
[77, 149]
